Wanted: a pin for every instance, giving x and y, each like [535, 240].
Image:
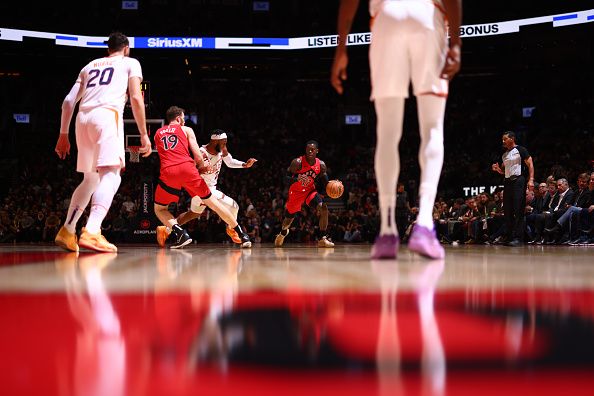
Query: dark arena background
[215, 319]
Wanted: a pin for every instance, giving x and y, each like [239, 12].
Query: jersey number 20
[104, 76]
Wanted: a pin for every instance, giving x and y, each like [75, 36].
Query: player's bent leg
[287, 221]
[80, 199]
[227, 217]
[325, 240]
[182, 238]
[230, 204]
[91, 238]
[233, 208]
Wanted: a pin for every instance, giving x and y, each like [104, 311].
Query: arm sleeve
[232, 162]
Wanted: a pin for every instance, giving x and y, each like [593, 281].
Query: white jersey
[104, 82]
[215, 161]
[375, 5]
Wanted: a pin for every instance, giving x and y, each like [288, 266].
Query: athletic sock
[431, 110]
[80, 199]
[390, 113]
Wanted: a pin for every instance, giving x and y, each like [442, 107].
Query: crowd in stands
[272, 120]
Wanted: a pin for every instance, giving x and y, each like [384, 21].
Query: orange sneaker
[96, 242]
[233, 234]
[162, 235]
[66, 240]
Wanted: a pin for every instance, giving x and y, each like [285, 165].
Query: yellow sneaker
[162, 235]
[325, 242]
[234, 236]
[66, 240]
[96, 242]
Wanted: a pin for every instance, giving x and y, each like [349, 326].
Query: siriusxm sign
[173, 42]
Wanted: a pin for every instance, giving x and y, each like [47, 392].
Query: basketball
[334, 189]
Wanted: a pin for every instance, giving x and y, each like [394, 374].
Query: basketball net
[134, 153]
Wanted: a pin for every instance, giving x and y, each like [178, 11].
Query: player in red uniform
[304, 172]
[178, 170]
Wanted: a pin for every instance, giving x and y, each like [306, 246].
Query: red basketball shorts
[297, 197]
[174, 178]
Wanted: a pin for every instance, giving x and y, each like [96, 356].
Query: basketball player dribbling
[304, 172]
[178, 170]
[409, 43]
[101, 88]
[214, 154]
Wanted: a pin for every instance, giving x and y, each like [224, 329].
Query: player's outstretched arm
[233, 163]
[137, 103]
[63, 144]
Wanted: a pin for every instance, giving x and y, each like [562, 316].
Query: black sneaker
[245, 240]
[182, 238]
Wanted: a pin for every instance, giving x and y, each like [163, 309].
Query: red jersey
[172, 145]
[307, 175]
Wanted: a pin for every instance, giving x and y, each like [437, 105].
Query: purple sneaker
[424, 242]
[385, 247]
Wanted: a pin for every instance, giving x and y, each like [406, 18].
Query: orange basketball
[334, 189]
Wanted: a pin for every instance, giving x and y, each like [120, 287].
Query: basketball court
[215, 319]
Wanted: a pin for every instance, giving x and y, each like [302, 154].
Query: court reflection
[99, 351]
[405, 335]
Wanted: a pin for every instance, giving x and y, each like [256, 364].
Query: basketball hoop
[134, 153]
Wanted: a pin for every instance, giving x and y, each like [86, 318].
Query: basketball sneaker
[162, 235]
[96, 242]
[424, 242]
[182, 238]
[280, 238]
[234, 235]
[66, 240]
[325, 242]
[385, 247]
[245, 240]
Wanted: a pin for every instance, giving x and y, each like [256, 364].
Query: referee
[516, 160]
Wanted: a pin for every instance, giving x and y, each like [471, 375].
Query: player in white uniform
[101, 88]
[214, 154]
[409, 43]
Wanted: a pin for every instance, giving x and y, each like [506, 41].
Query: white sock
[80, 199]
[390, 114]
[431, 111]
[109, 182]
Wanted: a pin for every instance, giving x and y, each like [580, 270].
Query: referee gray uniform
[514, 193]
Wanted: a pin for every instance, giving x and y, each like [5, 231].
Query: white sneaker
[325, 242]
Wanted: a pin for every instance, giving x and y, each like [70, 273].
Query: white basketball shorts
[408, 44]
[99, 139]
